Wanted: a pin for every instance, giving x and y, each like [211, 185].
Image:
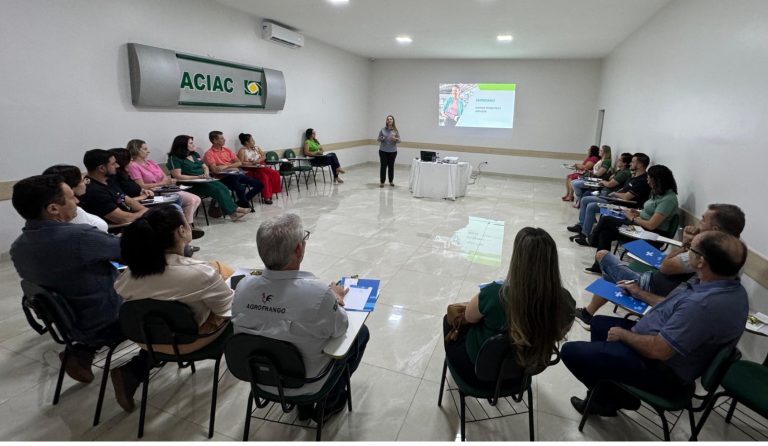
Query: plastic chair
[272, 159]
[299, 168]
[497, 365]
[747, 383]
[57, 318]
[154, 322]
[682, 398]
[263, 361]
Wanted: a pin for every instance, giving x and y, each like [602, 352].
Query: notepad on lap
[613, 293]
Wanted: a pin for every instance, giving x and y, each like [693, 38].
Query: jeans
[387, 160]
[329, 159]
[587, 213]
[614, 270]
[578, 190]
[591, 362]
[237, 184]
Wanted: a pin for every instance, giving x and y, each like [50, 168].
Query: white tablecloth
[435, 180]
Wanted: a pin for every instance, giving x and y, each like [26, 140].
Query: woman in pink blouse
[581, 168]
[147, 174]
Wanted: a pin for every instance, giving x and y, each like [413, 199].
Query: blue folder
[373, 284]
[645, 252]
[612, 213]
[613, 293]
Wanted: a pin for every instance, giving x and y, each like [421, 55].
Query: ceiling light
[504, 38]
[338, 2]
[403, 39]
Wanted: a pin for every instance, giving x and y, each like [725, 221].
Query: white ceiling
[462, 29]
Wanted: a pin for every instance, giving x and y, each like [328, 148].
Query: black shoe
[575, 228]
[197, 233]
[580, 405]
[306, 411]
[125, 386]
[583, 315]
[594, 269]
[581, 240]
[330, 411]
[267, 201]
[78, 367]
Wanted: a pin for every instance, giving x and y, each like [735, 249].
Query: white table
[338, 347]
[436, 180]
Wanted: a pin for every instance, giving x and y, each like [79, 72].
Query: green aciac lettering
[198, 78]
[228, 85]
[217, 84]
[186, 81]
[208, 82]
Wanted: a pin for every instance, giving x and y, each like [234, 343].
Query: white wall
[689, 89]
[555, 109]
[66, 89]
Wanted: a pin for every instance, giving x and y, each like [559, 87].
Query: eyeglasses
[688, 248]
[306, 236]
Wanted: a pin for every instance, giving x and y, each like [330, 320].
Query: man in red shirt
[223, 164]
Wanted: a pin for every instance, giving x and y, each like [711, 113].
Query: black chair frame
[497, 363]
[263, 361]
[48, 307]
[164, 323]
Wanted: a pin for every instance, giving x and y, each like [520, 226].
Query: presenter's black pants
[236, 183]
[592, 362]
[387, 162]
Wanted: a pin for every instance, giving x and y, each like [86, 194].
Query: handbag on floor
[455, 318]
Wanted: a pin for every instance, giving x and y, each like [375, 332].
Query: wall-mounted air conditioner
[284, 36]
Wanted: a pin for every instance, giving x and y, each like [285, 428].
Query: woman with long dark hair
[388, 139]
[252, 155]
[531, 307]
[153, 249]
[593, 156]
[184, 163]
[318, 157]
[656, 215]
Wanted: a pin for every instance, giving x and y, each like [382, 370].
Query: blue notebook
[645, 252]
[613, 293]
[373, 284]
[612, 213]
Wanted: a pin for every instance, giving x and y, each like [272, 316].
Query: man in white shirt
[291, 305]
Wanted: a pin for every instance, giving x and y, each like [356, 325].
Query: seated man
[103, 196]
[219, 159]
[310, 313]
[676, 341]
[636, 189]
[74, 261]
[675, 268]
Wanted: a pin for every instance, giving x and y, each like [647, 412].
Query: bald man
[675, 342]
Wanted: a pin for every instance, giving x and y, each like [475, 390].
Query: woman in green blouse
[531, 307]
[318, 157]
[185, 164]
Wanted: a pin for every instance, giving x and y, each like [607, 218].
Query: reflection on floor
[427, 253]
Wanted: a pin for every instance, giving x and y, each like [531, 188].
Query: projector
[451, 160]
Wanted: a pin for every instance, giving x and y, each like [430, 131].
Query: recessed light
[403, 39]
[504, 38]
[338, 2]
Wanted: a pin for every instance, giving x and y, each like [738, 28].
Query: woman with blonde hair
[530, 306]
[148, 175]
[389, 136]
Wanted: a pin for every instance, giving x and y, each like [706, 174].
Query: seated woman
[314, 150]
[75, 180]
[600, 171]
[581, 168]
[185, 164]
[656, 215]
[153, 249]
[530, 306]
[251, 155]
[148, 175]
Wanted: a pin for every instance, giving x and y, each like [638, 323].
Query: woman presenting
[388, 139]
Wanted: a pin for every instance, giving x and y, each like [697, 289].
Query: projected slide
[477, 105]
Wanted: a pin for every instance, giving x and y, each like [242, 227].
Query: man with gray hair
[291, 305]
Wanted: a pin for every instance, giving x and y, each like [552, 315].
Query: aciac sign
[215, 83]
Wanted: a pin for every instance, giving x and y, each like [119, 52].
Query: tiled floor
[357, 228]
